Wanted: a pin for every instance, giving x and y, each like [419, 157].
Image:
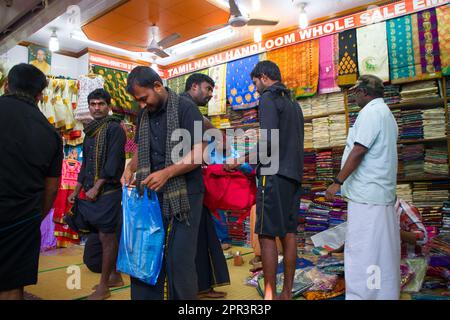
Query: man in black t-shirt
[279, 190]
[178, 183]
[30, 170]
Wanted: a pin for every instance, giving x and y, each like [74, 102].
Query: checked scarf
[97, 129]
[176, 202]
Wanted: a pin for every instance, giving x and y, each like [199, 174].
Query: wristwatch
[337, 181]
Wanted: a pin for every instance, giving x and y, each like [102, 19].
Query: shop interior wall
[61, 65]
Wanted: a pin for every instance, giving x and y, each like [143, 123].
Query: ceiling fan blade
[234, 9]
[260, 22]
[216, 27]
[167, 40]
[131, 44]
[160, 53]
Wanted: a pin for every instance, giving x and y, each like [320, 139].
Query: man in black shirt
[99, 177]
[212, 270]
[278, 197]
[179, 183]
[30, 170]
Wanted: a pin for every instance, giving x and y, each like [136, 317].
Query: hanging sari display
[348, 60]
[116, 84]
[241, 92]
[299, 66]
[178, 84]
[218, 103]
[429, 45]
[372, 50]
[403, 45]
[443, 20]
[328, 62]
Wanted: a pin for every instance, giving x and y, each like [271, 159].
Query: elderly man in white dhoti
[368, 180]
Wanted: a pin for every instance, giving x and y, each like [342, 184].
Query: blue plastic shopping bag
[141, 246]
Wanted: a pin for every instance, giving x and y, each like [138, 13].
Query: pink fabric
[228, 190]
[70, 174]
[328, 58]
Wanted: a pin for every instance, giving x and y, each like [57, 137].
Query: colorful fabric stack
[308, 136]
[429, 197]
[321, 135]
[445, 230]
[434, 123]
[306, 106]
[412, 125]
[319, 105]
[324, 165]
[353, 110]
[419, 90]
[413, 157]
[391, 94]
[404, 192]
[316, 218]
[237, 230]
[436, 161]
[335, 102]
[397, 113]
[245, 141]
[241, 92]
[309, 167]
[337, 129]
[373, 51]
[337, 159]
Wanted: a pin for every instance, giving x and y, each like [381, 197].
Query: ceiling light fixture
[257, 35]
[302, 17]
[53, 43]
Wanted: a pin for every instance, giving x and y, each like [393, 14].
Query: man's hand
[92, 194]
[331, 191]
[157, 180]
[128, 178]
[231, 167]
[72, 197]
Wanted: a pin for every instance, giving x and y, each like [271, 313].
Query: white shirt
[375, 179]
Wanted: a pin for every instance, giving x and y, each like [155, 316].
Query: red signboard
[377, 14]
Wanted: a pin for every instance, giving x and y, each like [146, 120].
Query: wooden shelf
[412, 179]
[419, 103]
[324, 148]
[412, 141]
[322, 115]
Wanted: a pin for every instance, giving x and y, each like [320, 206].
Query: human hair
[372, 84]
[267, 68]
[100, 94]
[27, 79]
[198, 78]
[143, 77]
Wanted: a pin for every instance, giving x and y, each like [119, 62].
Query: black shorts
[277, 205]
[20, 243]
[104, 214]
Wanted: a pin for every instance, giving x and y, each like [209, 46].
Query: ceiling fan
[237, 19]
[156, 47]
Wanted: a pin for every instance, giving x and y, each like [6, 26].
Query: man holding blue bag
[178, 183]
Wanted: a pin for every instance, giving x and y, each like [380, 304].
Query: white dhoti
[372, 253]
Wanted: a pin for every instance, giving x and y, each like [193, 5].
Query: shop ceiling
[116, 21]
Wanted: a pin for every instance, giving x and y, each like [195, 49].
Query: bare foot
[113, 282]
[212, 294]
[100, 294]
[285, 296]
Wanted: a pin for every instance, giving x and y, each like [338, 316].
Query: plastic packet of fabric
[142, 240]
[419, 267]
[321, 281]
[406, 274]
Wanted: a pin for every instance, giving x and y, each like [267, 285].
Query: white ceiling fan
[156, 47]
[237, 19]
